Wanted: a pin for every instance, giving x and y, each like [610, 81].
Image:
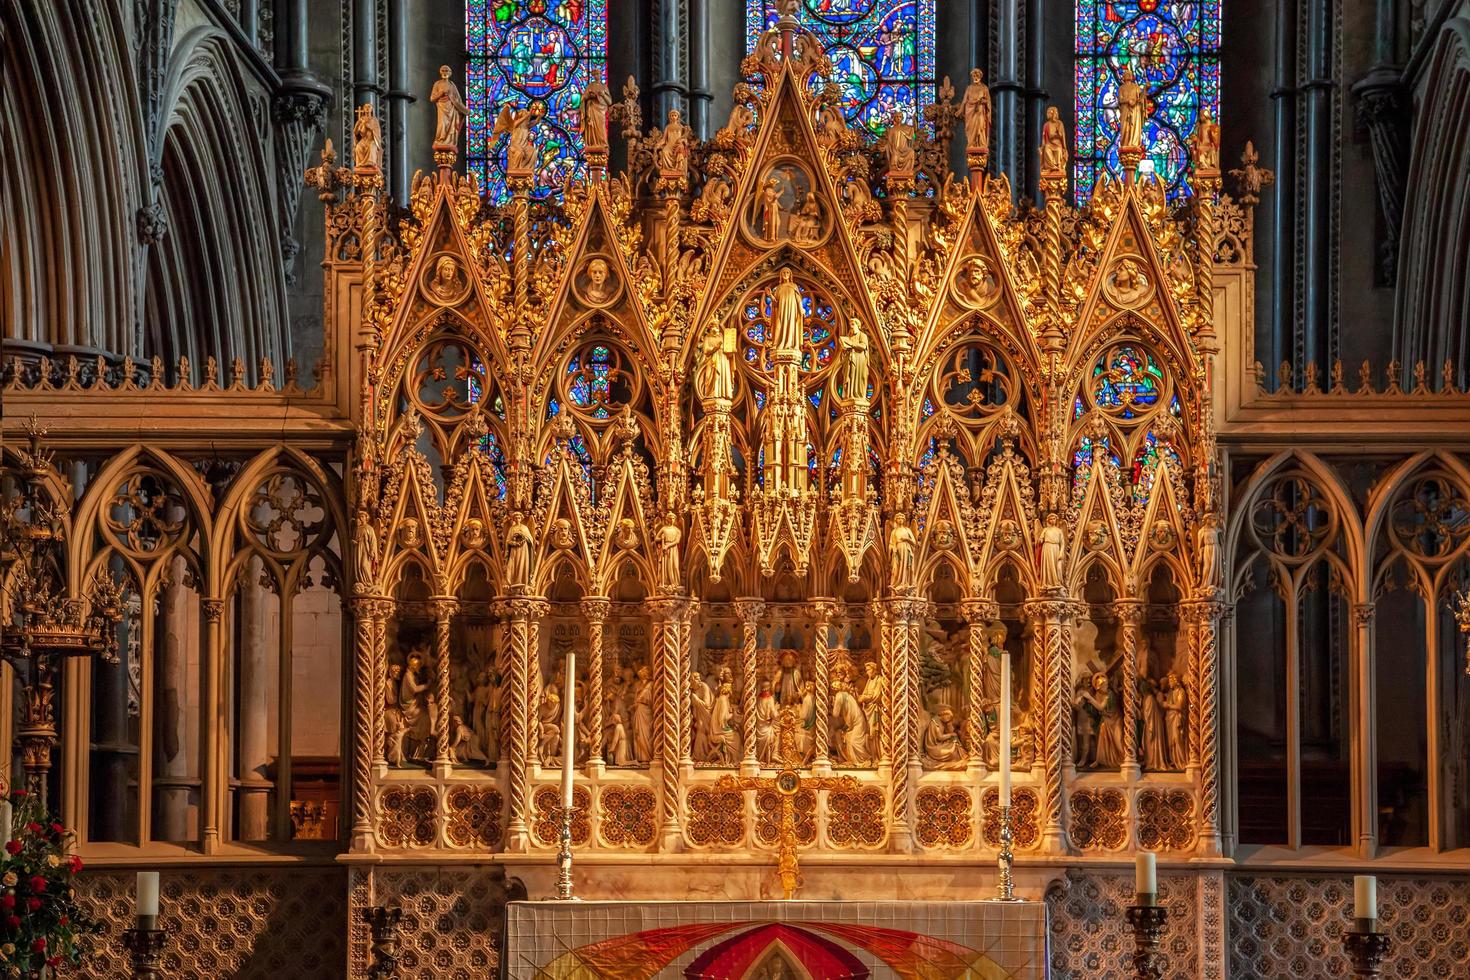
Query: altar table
[775, 940]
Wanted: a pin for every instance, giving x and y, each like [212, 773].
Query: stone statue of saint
[1208, 538]
[1175, 702]
[671, 149]
[942, 746]
[366, 555]
[855, 362]
[518, 553]
[977, 111]
[596, 100]
[1132, 107]
[1053, 552]
[771, 209]
[520, 155]
[1053, 142]
[367, 140]
[903, 548]
[897, 145]
[450, 107]
[789, 319]
[716, 377]
[668, 551]
[1206, 142]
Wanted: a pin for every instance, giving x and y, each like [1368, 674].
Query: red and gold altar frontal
[788, 438]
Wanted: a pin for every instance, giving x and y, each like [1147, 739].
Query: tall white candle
[1145, 877]
[1005, 728]
[1365, 897]
[147, 899]
[569, 729]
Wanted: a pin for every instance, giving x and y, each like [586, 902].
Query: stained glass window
[882, 52]
[1173, 49]
[522, 51]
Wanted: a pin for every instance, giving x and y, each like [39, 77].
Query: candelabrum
[145, 952]
[564, 857]
[1366, 947]
[1147, 921]
[1005, 890]
[383, 921]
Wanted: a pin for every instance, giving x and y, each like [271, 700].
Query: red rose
[33, 904]
[13, 922]
[53, 962]
[38, 884]
[75, 863]
[21, 793]
[57, 828]
[65, 920]
[7, 902]
[33, 827]
[39, 945]
[14, 846]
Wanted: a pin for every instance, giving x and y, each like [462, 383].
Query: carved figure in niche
[701, 701]
[616, 740]
[903, 556]
[1155, 753]
[485, 714]
[1095, 538]
[1008, 535]
[851, 733]
[393, 717]
[446, 286]
[897, 145]
[977, 285]
[716, 378]
[668, 546]
[806, 223]
[1208, 538]
[1161, 535]
[724, 726]
[671, 149]
[977, 111]
[940, 675]
[1053, 143]
[766, 712]
[1132, 106]
[1206, 142]
[1085, 713]
[1128, 284]
[599, 290]
[807, 715]
[1175, 702]
[596, 100]
[367, 140]
[788, 681]
[995, 638]
[627, 536]
[365, 555]
[1109, 753]
[874, 695]
[944, 536]
[518, 554]
[550, 745]
[561, 534]
[1084, 642]
[416, 710]
[771, 209]
[464, 746]
[409, 535]
[942, 748]
[450, 109]
[855, 348]
[1053, 552]
[789, 319]
[472, 535]
[520, 153]
[643, 717]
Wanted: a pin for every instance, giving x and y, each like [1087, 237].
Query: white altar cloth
[775, 940]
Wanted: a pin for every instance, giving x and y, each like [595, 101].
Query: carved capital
[1050, 610]
[443, 607]
[979, 611]
[906, 610]
[1363, 614]
[666, 607]
[520, 608]
[749, 610]
[596, 608]
[822, 608]
[214, 610]
[1128, 612]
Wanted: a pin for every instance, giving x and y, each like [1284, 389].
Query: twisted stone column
[907, 614]
[1056, 728]
[595, 610]
[686, 696]
[364, 711]
[379, 612]
[750, 611]
[444, 607]
[979, 613]
[667, 612]
[822, 611]
[522, 613]
[1130, 617]
[1205, 725]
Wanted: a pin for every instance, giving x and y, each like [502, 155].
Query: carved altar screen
[882, 53]
[1174, 51]
[518, 52]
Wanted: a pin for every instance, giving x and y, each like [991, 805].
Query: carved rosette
[716, 817]
[407, 817]
[1166, 820]
[944, 817]
[768, 805]
[1099, 819]
[1025, 818]
[627, 816]
[474, 817]
[855, 818]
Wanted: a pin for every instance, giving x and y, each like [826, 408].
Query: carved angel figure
[520, 155]
[976, 107]
[897, 145]
[450, 108]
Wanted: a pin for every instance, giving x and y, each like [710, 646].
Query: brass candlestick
[1366, 947]
[145, 952]
[1005, 890]
[564, 857]
[1148, 935]
[383, 921]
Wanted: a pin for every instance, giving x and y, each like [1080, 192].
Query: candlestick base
[145, 952]
[564, 858]
[1366, 948]
[383, 921]
[1005, 889]
[1148, 937]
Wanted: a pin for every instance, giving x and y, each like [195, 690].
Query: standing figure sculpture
[716, 378]
[903, 549]
[789, 319]
[1053, 552]
[668, 547]
[1175, 703]
[1053, 143]
[450, 108]
[1132, 107]
[518, 554]
[977, 111]
[855, 363]
[367, 140]
[596, 100]
[520, 155]
[671, 149]
[1206, 142]
[771, 209]
[897, 144]
[872, 699]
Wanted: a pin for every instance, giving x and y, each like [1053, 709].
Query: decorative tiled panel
[716, 817]
[855, 818]
[474, 817]
[547, 821]
[1025, 819]
[944, 817]
[1091, 939]
[768, 816]
[240, 923]
[1099, 819]
[1293, 926]
[627, 815]
[1165, 820]
[452, 920]
[407, 816]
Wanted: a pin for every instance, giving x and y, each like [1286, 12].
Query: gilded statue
[977, 111]
[1054, 148]
[1132, 106]
[737, 127]
[941, 743]
[365, 553]
[855, 362]
[1206, 142]
[596, 100]
[450, 108]
[715, 380]
[789, 321]
[903, 553]
[671, 148]
[518, 553]
[897, 144]
[831, 124]
[770, 203]
[1053, 552]
[520, 155]
[367, 140]
[1207, 537]
[668, 554]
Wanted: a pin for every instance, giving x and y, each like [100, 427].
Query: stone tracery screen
[882, 52]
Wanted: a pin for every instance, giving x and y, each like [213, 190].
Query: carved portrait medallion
[1127, 283]
[445, 281]
[976, 284]
[596, 284]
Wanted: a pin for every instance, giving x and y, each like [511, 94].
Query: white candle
[1005, 728]
[147, 899]
[569, 729]
[1365, 897]
[1145, 877]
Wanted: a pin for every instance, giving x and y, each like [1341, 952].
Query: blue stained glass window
[522, 51]
[1126, 382]
[882, 52]
[1173, 49]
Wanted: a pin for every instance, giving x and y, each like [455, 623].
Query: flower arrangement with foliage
[41, 924]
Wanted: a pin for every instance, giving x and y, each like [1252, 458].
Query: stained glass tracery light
[1173, 49]
[520, 51]
[882, 52]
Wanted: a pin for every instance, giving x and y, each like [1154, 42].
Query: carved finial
[1310, 378]
[211, 372]
[627, 426]
[1421, 378]
[291, 372]
[1283, 375]
[1365, 378]
[1447, 377]
[267, 373]
[1337, 388]
[629, 112]
[237, 373]
[1251, 179]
